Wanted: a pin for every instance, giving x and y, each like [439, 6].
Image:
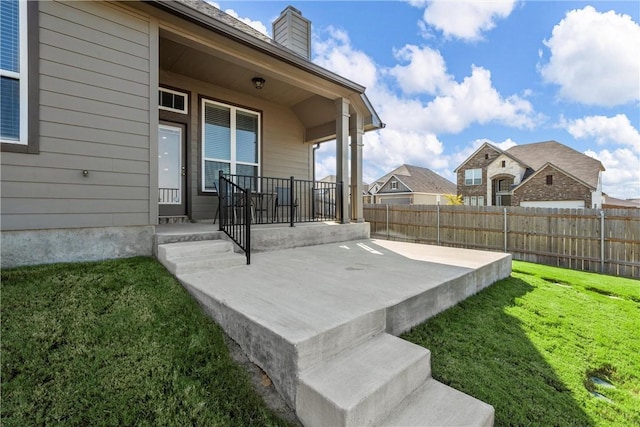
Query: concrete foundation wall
[31, 247]
[269, 239]
[413, 311]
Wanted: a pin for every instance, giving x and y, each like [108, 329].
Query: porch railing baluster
[284, 200]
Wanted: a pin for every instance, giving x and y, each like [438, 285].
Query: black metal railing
[235, 213]
[290, 200]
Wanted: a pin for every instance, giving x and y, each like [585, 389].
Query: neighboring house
[615, 203]
[543, 174]
[411, 185]
[115, 114]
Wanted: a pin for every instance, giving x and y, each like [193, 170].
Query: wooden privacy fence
[606, 241]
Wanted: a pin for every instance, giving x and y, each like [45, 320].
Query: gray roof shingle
[421, 180]
[566, 158]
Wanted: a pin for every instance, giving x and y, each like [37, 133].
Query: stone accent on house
[563, 187]
[511, 169]
[480, 160]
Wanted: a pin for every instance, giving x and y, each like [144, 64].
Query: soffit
[177, 55]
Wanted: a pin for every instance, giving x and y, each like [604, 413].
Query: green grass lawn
[530, 344]
[116, 343]
[122, 343]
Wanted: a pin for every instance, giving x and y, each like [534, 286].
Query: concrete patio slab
[296, 311]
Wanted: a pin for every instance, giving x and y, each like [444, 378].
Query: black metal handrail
[291, 200]
[235, 213]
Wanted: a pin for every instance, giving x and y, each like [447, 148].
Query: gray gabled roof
[544, 168]
[420, 180]
[573, 162]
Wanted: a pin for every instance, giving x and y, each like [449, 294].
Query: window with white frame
[473, 200]
[172, 100]
[394, 185]
[230, 142]
[13, 72]
[473, 177]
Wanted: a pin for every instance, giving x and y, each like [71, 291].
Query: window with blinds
[230, 142]
[473, 177]
[13, 72]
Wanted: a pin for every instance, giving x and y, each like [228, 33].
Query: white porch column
[342, 154]
[356, 131]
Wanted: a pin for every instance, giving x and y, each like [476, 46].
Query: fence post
[387, 206]
[601, 240]
[505, 229]
[438, 228]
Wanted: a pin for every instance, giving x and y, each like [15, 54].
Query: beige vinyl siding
[429, 199]
[94, 115]
[283, 152]
[299, 35]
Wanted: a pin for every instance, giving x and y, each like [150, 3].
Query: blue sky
[446, 76]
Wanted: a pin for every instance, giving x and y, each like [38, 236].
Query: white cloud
[326, 160]
[256, 25]
[426, 71]
[475, 100]
[413, 123]
[595, 58]
[336, 54]
[394, 147]
[466, 20]
[458, 105]
[504, 145]
[622, 176]
[604, 130]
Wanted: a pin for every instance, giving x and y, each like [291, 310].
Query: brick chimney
[292, 30]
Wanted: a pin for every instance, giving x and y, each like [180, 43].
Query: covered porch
[233, 100]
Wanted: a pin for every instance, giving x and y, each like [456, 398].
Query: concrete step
[363, 384]
[436, 404]
[204, 263]
[176, 236]
[328, 343]
[193, 257]
[175, 219]
[175, 251]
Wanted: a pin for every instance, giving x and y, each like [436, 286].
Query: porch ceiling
[180, 55]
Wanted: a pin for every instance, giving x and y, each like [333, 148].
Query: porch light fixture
[258, 82]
